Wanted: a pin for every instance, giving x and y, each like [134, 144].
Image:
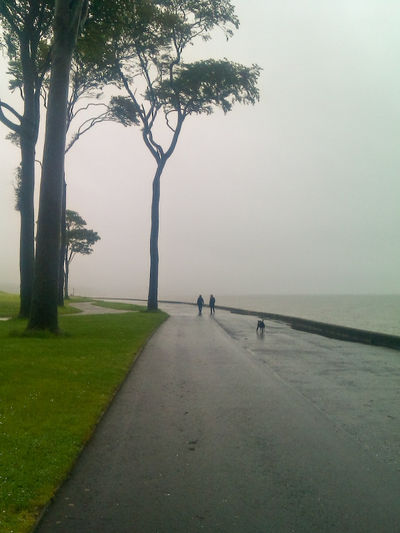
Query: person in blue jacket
[212, 304]
[200, 303]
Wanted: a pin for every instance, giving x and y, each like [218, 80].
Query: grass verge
[9, 306]
[119, 305]
[52, 392]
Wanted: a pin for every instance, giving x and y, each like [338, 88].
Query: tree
[69, 19]
[160, 86]
[86, 83]
[26, 30]
[79, 240]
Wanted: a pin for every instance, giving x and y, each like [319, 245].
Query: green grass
[52, 392]
[9, 306]
[119, 305]
[68, 309]
[73, 299]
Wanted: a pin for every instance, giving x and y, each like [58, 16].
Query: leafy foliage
[26, 36]
[161, 89]
[125, 110]
[199, 87]
[17, 188]
[79, 240]
[14, 138]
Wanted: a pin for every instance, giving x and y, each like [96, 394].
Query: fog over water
[298, 194]
[379, 313]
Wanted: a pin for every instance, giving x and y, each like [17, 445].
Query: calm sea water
[379, 313]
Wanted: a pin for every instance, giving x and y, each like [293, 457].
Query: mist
[296, 195]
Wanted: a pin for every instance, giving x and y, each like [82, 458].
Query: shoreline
[333, 331]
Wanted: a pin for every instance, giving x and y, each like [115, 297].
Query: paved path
[212, 432]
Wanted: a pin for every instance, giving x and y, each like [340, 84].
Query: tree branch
[145, 70]
[86, 126]
[153, 111]
[43, 94]
[131, 94]
[172, 146]
[86, 107]
[166, 113]
[155, 149]
[7, 122]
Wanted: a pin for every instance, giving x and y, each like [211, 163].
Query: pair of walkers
[200, 303]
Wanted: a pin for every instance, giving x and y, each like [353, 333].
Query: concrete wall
[327, 330]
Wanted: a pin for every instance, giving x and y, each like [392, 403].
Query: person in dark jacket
[200, 303]
[212, 304]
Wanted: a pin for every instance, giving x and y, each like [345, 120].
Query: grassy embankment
[52, 392]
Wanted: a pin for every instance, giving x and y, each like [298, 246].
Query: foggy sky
[298, 194]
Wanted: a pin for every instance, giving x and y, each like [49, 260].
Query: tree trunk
[66, 279]
[152, 301]
[27, 239]
[61, 266]
[28, 139]
[45, 290]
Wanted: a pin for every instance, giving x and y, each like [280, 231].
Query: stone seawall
[327, 330]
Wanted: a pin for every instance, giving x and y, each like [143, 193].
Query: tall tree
[26, 30]
[69, 19]
[85, 100]
[78, 239]
[161, 87]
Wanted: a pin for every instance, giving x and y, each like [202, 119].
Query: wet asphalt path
[213, 432]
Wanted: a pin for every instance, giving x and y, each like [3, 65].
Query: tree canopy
[79, 239]
[162, 90]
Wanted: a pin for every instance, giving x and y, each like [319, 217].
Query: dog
[260, 326]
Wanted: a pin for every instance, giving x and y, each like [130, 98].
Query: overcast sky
[298, 194]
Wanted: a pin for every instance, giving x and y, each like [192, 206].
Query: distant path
[213, 432]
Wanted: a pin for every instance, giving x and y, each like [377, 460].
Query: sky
[296, 195]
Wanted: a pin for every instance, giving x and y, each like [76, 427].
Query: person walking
[200, 303]
[212, 304]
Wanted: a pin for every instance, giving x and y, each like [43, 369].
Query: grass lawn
[9, 306]
[52, 392]
[119, 305]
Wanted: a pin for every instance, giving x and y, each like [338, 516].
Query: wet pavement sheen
[218, 429]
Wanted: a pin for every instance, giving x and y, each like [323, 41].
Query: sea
[379, 313]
